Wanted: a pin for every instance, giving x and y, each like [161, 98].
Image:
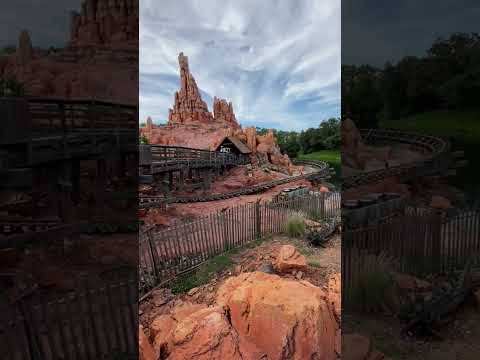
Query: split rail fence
[417, 243]
[166, 253]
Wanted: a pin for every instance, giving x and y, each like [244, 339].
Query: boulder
[359, 347]
[289, 259]
[440, 202]
[284, 318]
[411, 283]
[207, 334]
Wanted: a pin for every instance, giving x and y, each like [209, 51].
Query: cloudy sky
[374, 32]
[277, 61]
[47, 21]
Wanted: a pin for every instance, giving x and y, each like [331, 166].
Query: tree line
[447, 77]
[324, 137]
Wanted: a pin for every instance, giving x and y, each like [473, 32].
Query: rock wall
[105, 22]
[99, 73]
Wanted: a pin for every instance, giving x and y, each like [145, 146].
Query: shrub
[295, 225]
[373, 289]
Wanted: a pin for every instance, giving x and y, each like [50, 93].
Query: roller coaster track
[322, 171]
[436, 151]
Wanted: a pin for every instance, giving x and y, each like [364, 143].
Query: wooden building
[233, 145]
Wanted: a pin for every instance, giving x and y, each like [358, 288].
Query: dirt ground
[460, 338]
[322, 262]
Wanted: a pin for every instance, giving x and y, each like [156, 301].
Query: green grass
[202, 275]
[460, 125]
[330, 156]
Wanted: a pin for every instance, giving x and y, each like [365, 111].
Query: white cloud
[277, 61]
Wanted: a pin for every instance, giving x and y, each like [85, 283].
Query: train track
[322, 171]
[436, 151]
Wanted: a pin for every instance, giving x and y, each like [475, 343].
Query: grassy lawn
[333, 157]
[330, 156]
[462, 128]
[460, 125]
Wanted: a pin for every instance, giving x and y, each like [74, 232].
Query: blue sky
[277, 61]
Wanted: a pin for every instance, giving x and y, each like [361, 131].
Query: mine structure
[43, 145]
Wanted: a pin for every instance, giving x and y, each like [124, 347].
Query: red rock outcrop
[223, 112]
[289, 259]
[188, 105]
[190, 123]
[24, 51]
[284, 318]
[145, 350]
[359, 347]
[105, 22]
[355, 153]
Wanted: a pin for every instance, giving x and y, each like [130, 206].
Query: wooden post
[258, 220]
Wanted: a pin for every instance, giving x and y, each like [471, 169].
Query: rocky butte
[100, 57]
[191, 124]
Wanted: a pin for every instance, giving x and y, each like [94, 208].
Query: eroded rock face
[359, 347]
[356, 154]
[24, 51]
[145, 350]
[188, 105]
[286, 319]
[105, 22]
[289, 259]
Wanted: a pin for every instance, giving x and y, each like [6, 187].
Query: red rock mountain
[189, 108]
[191, 124]
[101, 57]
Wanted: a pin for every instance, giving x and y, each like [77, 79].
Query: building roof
[240, 145]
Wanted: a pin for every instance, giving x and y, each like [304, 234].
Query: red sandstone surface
[253, 315]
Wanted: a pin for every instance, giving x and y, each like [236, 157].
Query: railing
[58, 115]
[436, 150]
[166, 253]
[95, 323]
[322, 171]
[419, 243]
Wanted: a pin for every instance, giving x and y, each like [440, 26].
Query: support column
[100, 184]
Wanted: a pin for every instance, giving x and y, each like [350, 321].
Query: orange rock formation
[191, 124]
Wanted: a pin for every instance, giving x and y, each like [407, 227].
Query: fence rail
[166, 253]
[420, 242]
[437, 151]
[95, 323]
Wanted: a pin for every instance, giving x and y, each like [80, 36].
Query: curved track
[322, 171]
[436, 151]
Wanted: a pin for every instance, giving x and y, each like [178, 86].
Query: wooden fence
[166, 253]
[418, 243]
[95, 323]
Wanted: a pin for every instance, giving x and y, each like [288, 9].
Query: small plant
[314, 263]
[373, 289]
[10, 86]
[202, 275]
[295, 225]
[144, 140]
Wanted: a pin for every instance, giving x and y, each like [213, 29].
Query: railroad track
[436, 150]
[322, 171]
